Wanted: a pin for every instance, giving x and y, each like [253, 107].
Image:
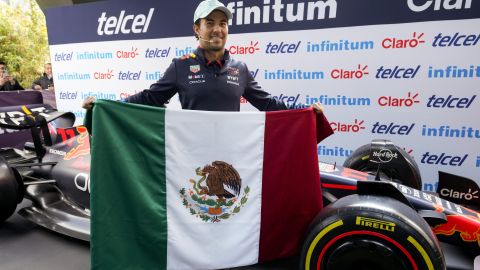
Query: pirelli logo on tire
[375, 223]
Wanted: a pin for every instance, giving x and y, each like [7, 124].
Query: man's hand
[3, 80]
[37, 87]
[88, 102]
[317, 107]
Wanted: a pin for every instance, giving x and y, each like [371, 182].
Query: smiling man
[208, 79]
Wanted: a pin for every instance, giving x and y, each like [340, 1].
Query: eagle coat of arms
[217, 194]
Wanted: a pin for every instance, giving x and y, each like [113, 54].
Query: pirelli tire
[408, 174]
[11, 190]
[361, 232]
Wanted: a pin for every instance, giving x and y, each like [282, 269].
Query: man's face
[48, 69]
[213, 31]
[2, 70]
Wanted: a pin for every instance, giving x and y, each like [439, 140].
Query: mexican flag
[179, 189]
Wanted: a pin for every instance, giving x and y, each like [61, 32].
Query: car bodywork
[53, 172]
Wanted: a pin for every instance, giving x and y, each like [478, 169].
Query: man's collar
[200, 54]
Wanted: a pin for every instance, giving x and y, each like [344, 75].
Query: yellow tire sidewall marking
[317, 238]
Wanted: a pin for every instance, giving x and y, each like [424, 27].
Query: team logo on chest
[194, 68]
[195, 78]
[232, 75]
[233, 71]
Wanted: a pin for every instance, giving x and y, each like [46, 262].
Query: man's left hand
[317, 107]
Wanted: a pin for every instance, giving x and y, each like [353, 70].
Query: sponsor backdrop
[408, 71]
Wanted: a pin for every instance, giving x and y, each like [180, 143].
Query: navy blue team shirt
[208, 86]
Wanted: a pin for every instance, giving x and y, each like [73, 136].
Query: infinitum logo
[314, 10]
[454, 72]
[336, 151]
[93, 55]
[451, 132]
[295, 74]
[73, 76]
[124, 24]
[340, 45]
[339, 100]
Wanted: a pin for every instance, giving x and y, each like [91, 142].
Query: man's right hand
[3, 80]
[88, 102]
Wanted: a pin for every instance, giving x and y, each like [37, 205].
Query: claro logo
[390, 101]
[422, 5]
[124, 24]
[470, 195]
[357, 126]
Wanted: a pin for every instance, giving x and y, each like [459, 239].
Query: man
[46, 81]
[208, 79]
[7, 82]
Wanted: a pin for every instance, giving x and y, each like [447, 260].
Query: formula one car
[375, 216]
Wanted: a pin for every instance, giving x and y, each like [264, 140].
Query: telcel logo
[443, 159]
[439, 4]
[113, 25]
[67, 95]
[389, 101]
[397, 72]
[288, 99]
[456, 40]
[459, 195]
[450, 102]
[282, 47]
[392, 128]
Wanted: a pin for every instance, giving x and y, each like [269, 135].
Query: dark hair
[2, 63]
[197, 23]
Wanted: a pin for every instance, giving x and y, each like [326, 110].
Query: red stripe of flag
[291, 192]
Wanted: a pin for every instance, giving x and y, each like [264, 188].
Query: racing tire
[10, 190]
[360, 232]
[408, 174]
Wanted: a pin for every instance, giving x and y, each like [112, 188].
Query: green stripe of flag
[128, 187]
